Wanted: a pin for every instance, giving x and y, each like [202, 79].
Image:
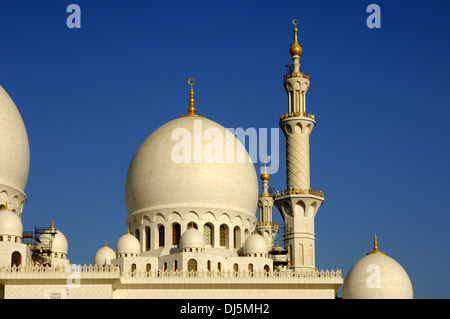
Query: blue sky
[380, 149]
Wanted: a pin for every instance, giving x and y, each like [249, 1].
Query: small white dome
[10, 224]
[57, 240]
[192, 238]
[256, 244]
[128, 244]
[377, 276]
[104, 255]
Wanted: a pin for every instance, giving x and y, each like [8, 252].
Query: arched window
[147, 237]
[133, 269]
[237, 237]
[267, 268]
[223, 235]
[209, 265]
[161, 235]
[208, 234]
[148, 267]
[219, 266]
[250, 267]
[165, 266]
[175, 265]
[192, 265]
[236, 267]
[16, 259]
[176, 233]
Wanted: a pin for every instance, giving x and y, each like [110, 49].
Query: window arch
[250, 267]
[223, 236]
[147, 237]
[176, 234]
[161, 235]
[237, 237]
[208, 234]
[236, 267]
[192, 265]
[16, 259]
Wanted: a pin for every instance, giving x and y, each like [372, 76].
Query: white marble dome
[57, 240]
[104, 255]
[256, 244]
[128, 244]
[377, 276]
[10, 224]
[14, 147]
[192, 238]
[156, 179]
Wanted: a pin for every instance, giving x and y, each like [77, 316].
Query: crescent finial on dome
[191, 110]
[296, 49]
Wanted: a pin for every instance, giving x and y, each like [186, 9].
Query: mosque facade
[192, 230]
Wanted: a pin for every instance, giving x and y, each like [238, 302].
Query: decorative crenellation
[285, 273]
[297, 114]
[294, 191]
[39, 268]
[296, 75]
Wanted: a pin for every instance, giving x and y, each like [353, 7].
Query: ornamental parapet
[303, 273]
[297, 114]
[58, 269]
[267, 224]
[296, 75]
[297, 191]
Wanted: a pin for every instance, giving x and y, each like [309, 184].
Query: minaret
[266, 227]
[298, 204]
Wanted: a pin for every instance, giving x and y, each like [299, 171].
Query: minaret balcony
[296, 75]
[297, 191]
[270, 224]
[296, 114]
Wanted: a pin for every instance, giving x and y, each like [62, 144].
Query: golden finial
[53, 225]
[296, 49]
[191, 110]
[106, 244]
[375, 247]
[265, 176]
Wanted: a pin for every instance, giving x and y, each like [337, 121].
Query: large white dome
[14, 147]
[159, 179]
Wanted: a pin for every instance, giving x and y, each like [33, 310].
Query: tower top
[375, 247]
[191, 110]
[265, 176]
[296, 49]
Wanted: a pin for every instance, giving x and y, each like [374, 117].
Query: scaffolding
[40, 241]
